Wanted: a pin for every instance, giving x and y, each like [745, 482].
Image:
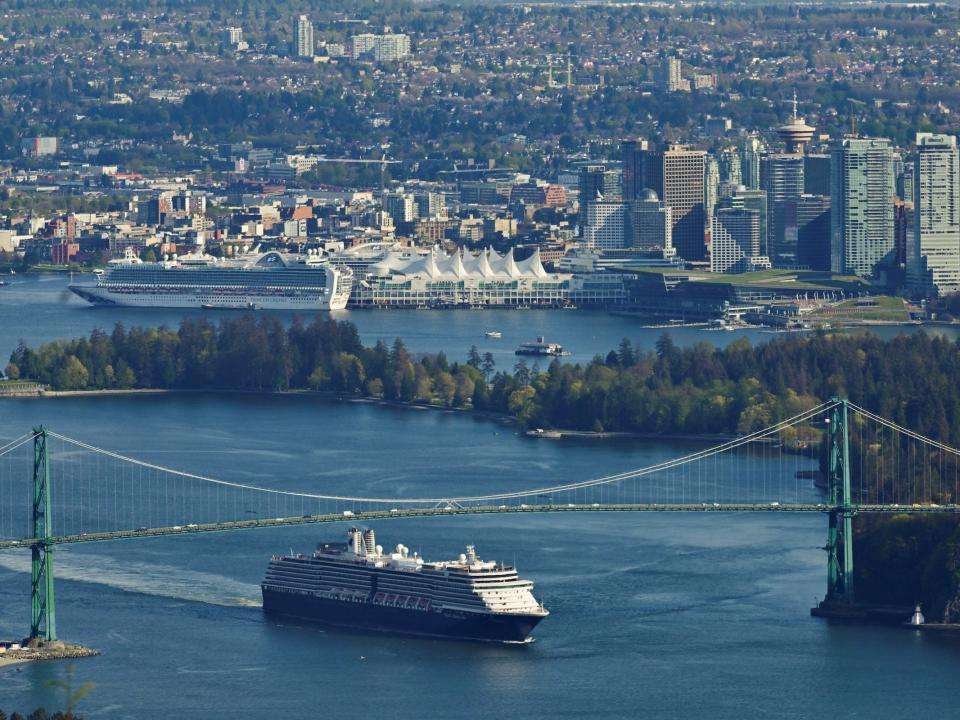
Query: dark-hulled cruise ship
[355, 584]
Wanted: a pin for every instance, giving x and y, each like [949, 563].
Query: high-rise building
[303, 37]
[677, 176]
[933, 258]
[816, 174]
[596, 182]
[807, 220]
[902, 229]
[605, 225]
[781, 176]
[736, 240]
[750, 150]
[401, 206]
[861, 215]
[729, 162]
[711, 185]
[671, 76]
[362, 44]
[905, 180]
[390, 48]
[752, 200]
[634, 152]
[431, 205]
[649, 225]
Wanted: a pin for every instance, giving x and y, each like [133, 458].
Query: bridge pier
[43, 617]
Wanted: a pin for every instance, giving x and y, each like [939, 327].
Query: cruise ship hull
[488, 627]
[239, 301]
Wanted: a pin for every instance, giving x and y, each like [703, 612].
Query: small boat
[541, 347]
[493, 334]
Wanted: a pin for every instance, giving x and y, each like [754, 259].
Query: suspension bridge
[837, 458]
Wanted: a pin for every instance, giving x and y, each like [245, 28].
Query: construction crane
[382, 162]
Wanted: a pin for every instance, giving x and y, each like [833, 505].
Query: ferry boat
[356, 584]
[270, 280]
[541, 347]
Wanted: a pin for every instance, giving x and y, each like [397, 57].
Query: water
[670, 616]
[40, 308]
[666, 616]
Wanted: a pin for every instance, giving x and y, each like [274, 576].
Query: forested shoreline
[912, 379]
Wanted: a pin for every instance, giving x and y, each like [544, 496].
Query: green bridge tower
[43, 616]
[840, 531]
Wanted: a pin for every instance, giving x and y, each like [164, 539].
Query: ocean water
[661, 616]
[666, 616]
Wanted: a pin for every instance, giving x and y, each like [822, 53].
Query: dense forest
[907, 559]
[913, 379]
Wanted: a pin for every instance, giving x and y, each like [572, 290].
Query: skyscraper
[781, 176]
[750, 150]
[634, 152]
[594, 181]
[752, 200]
[861, 216]
[933, 257]
[729, 161]
[816, 174]
[303, 37]
[677, 176]
[649, 225]
[807, 220]
[736, 240]
[605, 225]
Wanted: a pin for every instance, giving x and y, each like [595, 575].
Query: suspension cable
[606, 480]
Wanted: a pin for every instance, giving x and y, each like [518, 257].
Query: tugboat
[540, 347]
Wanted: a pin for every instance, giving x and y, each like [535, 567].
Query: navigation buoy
[917, 618]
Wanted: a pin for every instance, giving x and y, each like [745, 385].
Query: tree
[72, 374]
[473, 357]
[445, 387]
[375, 387]
[521, 372]
[487, 366]
[319, 378]
[12, 371]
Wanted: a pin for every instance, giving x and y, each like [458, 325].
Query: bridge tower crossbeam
[43, 617]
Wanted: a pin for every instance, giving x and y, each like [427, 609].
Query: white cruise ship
[271, 280]
[356, 584]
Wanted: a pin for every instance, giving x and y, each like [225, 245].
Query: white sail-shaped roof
[533, 266]
[483, 264]
[456, 265]
[510, 266]
[437, 265]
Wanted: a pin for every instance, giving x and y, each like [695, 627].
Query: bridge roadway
[453, 509]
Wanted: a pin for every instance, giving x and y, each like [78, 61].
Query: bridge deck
[393, 513]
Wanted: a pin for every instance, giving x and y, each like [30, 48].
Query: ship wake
[147, 579]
